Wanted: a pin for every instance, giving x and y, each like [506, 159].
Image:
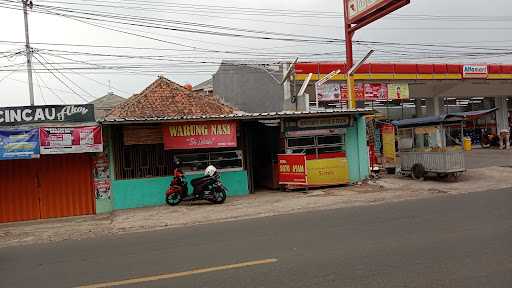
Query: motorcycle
[209, 187]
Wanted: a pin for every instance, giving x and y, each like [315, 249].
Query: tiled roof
[166, 99]
[243, 116]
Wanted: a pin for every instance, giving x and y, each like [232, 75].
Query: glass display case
[315, 146]
[223, 161]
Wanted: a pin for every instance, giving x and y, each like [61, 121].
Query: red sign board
[63, 140]
[292, 169]
[193, 135]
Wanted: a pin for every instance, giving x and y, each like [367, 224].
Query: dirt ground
[388, 189]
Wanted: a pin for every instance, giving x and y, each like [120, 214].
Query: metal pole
[349, 58]
[29, 52]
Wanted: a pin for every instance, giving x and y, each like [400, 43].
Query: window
[141, 160]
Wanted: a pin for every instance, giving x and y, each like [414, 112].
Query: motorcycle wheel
[173, 199]
[219, 196]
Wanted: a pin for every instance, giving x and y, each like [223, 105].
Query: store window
[222, 160]
[316, 146]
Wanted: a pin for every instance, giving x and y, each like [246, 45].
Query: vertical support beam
[349, 58]
[28, 51]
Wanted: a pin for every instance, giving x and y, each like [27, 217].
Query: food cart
[422, 143]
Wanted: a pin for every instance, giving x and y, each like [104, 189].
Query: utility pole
[29, 4]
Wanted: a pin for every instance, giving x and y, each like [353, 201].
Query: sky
[83, 51]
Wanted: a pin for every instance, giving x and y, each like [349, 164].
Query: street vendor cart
[424, 147]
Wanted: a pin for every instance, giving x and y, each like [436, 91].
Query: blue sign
[19, 144]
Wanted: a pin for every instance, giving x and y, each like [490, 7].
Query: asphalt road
[452, 241]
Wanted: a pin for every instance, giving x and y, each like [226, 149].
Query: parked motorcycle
[209, 187]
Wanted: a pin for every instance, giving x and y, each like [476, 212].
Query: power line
[60, 80]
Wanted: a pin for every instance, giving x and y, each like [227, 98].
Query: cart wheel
[454, 177]
[418, 172]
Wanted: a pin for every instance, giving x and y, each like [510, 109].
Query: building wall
[357, 151]
[248, 88]
[147, 192]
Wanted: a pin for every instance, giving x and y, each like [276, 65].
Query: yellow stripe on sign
[179, 274]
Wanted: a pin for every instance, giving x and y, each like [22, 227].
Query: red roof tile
[164, 98]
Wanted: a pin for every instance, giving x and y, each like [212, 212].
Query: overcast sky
[473, 31]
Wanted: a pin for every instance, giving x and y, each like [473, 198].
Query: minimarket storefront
[48, 156]
[245, 148]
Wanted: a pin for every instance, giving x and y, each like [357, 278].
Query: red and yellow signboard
[193, 135]
[292, 169]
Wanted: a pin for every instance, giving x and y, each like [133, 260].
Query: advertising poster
[328, 92]
[102, 183]
[375, 91]
[193, 135]
[64, 140]
[292, 169]
[359, 91]
[398, 91]
[388, 143]
[19, 144]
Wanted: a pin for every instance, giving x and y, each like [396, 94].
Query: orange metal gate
[50, 187]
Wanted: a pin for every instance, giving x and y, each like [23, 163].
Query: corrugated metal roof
[238, 116]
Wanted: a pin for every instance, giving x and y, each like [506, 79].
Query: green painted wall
[146, 192]
[357, 151]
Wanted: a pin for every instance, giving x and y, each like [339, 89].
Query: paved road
[453, 241]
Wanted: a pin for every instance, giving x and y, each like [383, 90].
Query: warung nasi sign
[214, 134]
[11, 116]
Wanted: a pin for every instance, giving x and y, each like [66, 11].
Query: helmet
[210, 170]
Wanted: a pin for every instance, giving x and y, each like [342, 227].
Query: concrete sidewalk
[389, 189]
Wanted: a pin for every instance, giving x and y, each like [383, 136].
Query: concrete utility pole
[29, 4]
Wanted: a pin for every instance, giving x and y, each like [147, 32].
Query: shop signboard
[318, 123]
[12, 116]
[193, 135]
[328, 92]
[362, 10]
[19, 144]
[64, 140]
[475, 72]
[292, 169]
[398, 91]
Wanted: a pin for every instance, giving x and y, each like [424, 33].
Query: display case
[316, 146]
[222, 160]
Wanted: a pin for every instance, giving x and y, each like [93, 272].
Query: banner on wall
[64, 140]
[19, 144]
[193, 135]
[328, 92]
[292, 169]
[398, 91]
